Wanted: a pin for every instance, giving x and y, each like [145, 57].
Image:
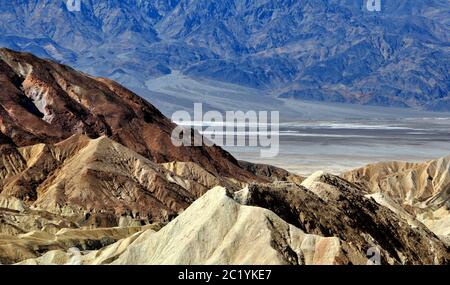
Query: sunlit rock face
[419, 190]
[45, 102]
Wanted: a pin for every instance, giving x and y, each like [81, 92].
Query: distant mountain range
[333, 51]
[88, 175]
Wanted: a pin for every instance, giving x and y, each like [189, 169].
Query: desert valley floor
[339, 145]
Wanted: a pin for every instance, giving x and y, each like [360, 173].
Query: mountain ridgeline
[88, 175]
[334, 51]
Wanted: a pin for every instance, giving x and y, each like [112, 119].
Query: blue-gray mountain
[330, 50]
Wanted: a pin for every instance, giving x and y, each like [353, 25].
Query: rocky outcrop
[330, 222]
[100, 183]
[420, 189]
[199, 179]
[15, 249]
[273, 173]
[45, 102]
[28, 232]
[330, 206]
[225, 232]
[414, 184]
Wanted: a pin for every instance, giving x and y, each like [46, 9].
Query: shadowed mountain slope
[322, 50]
[45, 102]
